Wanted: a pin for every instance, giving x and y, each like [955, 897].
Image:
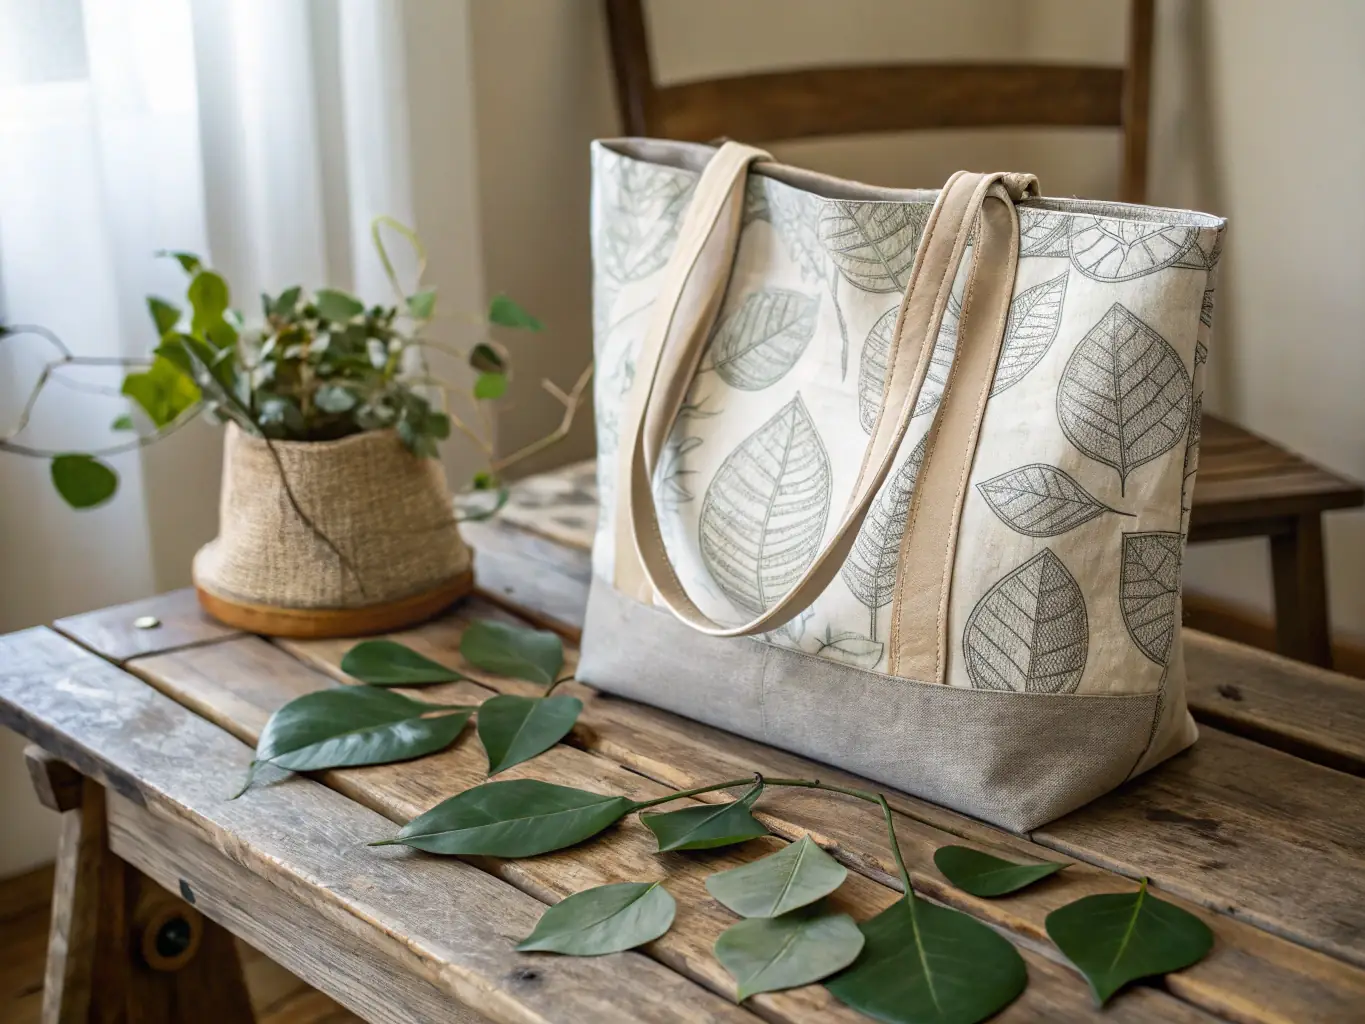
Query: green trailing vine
[916, 961]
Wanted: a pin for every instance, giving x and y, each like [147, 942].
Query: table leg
[1301, 620]
[122, 950]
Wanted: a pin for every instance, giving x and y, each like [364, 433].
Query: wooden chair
[1247, 485]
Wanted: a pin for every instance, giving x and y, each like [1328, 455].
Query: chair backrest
[782, 105]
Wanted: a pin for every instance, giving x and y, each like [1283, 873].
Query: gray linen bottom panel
[1017, 760]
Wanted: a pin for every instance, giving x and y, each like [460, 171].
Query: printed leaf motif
[766, 508]
[643, 203]
[1124, 397]
[870, 570]
[872, 368]
[1030, 632]
[1034, 319]
[983, 875]
[1199, 258]
[605, 919]
[1206, 312]
[873, 244]
[1115, 938]
[1201, 353]
[758, 343]
[1040, 500]
[755, 202]
[1192, 450]
[1149, 586]
[798, 874]
[1105, 249]
[794, 215]
[1043, 233]
[945, 348]
[768, 954]
[926, 964]
[850, 648]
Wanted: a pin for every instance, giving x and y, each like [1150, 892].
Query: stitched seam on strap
[945, 580]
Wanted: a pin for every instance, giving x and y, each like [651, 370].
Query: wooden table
[1260, 829]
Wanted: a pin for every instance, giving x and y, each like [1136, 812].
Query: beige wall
[1253, 102]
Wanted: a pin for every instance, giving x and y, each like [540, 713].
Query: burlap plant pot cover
[388, 511]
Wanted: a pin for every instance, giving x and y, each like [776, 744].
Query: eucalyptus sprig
[914, 961]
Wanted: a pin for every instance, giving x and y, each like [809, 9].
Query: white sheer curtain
[264, 134]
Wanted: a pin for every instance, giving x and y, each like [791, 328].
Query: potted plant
[335, 517]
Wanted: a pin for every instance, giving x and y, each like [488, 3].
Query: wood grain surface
[439, 919]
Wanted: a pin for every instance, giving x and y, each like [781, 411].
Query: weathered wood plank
[438, 919]
[57, 785]
[110, 632]
[1306, 711]
[262, 675]
[286, 929]
[553, 593]
[1251, 976]
[69, 978]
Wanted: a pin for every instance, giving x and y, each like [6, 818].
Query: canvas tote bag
[898, 480]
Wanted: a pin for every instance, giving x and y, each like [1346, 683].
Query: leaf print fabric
[765, 510]
[1149, 590]
[870, 571]
[1030, 632]
[1040, 500]
[758, 343]
[1088, 441]
[1119, 250]
[1124, 398]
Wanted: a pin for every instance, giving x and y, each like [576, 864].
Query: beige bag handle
[693, 286]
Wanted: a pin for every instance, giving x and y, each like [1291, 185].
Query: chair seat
[1245, 480]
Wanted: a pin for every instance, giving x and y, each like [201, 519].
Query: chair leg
[1301, 621]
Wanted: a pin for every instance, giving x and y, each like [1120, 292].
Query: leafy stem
[858, 794]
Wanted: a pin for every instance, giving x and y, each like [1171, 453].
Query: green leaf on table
[354, 725]
[535, 655]
[516, 729]
[1116, 938]
[389, 663]
[607, 919]
[189, 262]
[923, 962]
[516, 818]
[421, 305]
[162, 391]
[486, 359]
[799, 948]
[209, 298]
[83, 481]
[335, 305]
[164, 315]
[488, 386]
[798, 874]
[983, 875]
[122, 422]
[506, 313]
[708, 825]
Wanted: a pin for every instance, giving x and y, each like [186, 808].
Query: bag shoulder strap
[689, 299]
